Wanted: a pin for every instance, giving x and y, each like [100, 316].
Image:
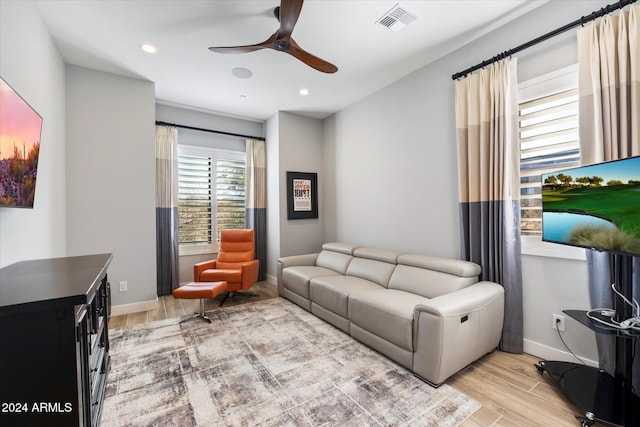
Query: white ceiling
[106, 35]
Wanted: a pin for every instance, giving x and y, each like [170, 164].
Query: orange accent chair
[235, 263]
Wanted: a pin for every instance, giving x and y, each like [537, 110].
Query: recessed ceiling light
[149, 48]
[304, 92]
[242, 73]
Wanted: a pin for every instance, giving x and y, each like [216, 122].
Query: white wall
[396, 169]
[111, 177]
[30, 63]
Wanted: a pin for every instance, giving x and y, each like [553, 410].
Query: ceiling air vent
[397, 18]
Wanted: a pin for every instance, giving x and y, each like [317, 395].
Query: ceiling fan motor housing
[282, 45]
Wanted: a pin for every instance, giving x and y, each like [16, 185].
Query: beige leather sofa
[429, 314]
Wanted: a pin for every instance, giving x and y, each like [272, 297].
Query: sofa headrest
[446, 265]
[343, 248]
[384, 255]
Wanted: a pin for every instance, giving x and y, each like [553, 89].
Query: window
[548, 129]
[211, 197]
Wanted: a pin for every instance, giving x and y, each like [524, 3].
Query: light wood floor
[511, 391]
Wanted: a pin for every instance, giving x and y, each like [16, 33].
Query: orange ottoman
[200, 290]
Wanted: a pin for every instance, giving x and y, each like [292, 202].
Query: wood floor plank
[510, 372]
[483, 417]
[520, 406]
[116, 322]
[171, 307]
[137, 318]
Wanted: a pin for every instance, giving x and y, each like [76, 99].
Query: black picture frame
[302, 195]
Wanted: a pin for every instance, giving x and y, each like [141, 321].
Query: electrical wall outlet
[558, 322]
[124, 286]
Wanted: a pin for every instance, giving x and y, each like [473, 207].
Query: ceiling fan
[287, 13]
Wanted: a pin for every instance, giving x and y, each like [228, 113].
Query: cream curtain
[488, 168]
[256, 200]
[609, 90]
[166, 209]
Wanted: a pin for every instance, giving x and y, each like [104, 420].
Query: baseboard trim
[549, 353]
[135, 307]
[272, 279]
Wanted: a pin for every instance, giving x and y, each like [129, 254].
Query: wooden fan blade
[236, 49]
[311, 60]
[289, 13]
[267, 44]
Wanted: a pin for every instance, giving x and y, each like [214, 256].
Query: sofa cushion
[432, 276]
[387, 313]
[332, 292]
[219, 275]
[297, 278]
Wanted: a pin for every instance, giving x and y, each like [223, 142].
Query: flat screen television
[20, 130]
[595, 206]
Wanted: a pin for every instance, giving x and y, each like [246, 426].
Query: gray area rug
[266, 363]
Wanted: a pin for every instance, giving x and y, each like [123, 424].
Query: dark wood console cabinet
[54, 342]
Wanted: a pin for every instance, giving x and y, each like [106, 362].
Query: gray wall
[294, 143]
[111, 177]
[396, 169]
[30, 63]
[300, 150]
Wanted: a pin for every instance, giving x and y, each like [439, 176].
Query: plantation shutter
[230, 194]
[194, 200]
[549, 141]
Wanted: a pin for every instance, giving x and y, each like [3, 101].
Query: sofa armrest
[306, 259]
[290, 261]
[453, 330]
[202, 266]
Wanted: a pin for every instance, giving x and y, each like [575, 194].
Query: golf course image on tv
[596, 206]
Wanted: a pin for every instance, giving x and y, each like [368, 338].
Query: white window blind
[549, 141]
[195, 200]
[211, 197]
[230, 194]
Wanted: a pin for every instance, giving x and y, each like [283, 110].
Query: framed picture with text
[302, 195]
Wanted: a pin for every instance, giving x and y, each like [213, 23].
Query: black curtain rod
[259, 138]
[578, 22]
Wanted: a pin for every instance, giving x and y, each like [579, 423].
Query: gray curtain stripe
[484, 241]
[257, 220]
[166, 250]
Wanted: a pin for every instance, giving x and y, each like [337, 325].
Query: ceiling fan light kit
[281, 41]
